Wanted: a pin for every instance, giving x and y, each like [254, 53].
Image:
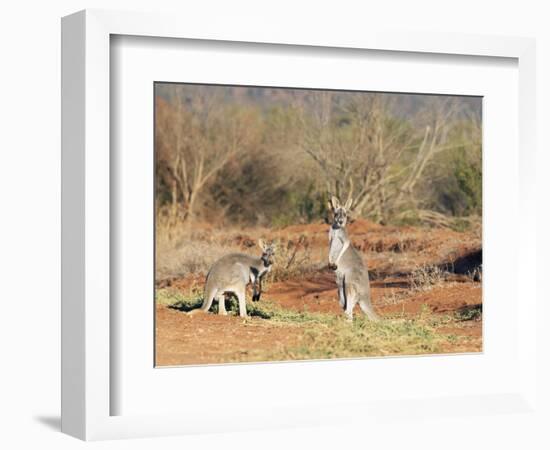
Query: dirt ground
[184, 339]
[451, 307]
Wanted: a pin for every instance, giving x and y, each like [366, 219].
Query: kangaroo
[352, 276]
[231, 274]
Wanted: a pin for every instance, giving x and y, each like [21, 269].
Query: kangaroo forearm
[334, 257]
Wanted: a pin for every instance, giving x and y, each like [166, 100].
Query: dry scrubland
[425, 284]
[234, 164]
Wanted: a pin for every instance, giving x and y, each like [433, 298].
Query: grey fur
[231, 274]
[352, 276]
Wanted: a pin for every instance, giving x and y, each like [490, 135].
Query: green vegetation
[322, 336]
[304, 205]
[472, 312]
[457, 174]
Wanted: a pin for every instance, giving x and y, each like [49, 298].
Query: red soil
[391, 254]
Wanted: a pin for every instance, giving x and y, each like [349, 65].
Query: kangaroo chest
[339, 243]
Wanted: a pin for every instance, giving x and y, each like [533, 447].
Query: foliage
[457, 176]
[272, 157]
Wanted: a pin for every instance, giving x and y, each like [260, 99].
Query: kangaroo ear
[261, 243]
[347, 206]
[334, 202]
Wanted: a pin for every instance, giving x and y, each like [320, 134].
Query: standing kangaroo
[231, 274]
[352, 276]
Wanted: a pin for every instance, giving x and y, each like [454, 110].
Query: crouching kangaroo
[231, 274]
[352, 276]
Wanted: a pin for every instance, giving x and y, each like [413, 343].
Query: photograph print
[309, 224]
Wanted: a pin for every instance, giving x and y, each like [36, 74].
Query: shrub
[426, 277]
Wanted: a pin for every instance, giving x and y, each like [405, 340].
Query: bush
[456, 188]
[468, 178]
[302, 205]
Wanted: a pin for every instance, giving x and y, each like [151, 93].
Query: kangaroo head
[268, 252]
[340, 214]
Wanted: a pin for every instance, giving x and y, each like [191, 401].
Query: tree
[196, 137]
[364, 149]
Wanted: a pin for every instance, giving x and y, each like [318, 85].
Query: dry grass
[394, 254]
[186, 250]
[189, 256]
[326, 335]
[191, 250]
[293, 258]
[425, 278]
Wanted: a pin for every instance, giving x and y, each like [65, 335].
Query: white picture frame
[87, 356]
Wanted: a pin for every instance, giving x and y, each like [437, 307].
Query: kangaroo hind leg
[221, 304]
[242, 302]
[350, 300]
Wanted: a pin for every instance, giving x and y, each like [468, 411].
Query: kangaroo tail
[368, 310]
[209, 296]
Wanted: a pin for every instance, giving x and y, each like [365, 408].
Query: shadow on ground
[231, 305]
[51, 422]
